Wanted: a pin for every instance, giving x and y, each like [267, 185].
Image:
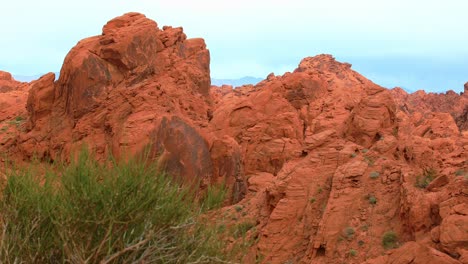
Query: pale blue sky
[414, 44]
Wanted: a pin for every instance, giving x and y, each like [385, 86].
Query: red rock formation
[121, 91]
[450, 102]
[414, 253]
[312, 138]
[13, 96]
[7, 83]
[322, 160]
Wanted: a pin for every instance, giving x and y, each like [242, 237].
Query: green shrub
[259, 258]
[312, 200]
[459, 172]
[242, 228]
[17, 121]
[370, 161]
[390, 240]
[352, 252]
[91, 213]
[422, 181]
[238, 208]
[214, 197]
[221, 228]
[349, 232]
[372, 199]
[319, 190]
[374, 175]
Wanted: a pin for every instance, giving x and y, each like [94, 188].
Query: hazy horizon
[417, 45]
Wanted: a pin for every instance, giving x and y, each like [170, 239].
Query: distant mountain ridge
[236, 82]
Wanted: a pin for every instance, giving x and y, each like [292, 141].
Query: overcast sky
[413, 44]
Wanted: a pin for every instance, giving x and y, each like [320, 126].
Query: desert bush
[374, 175]
[370, 161]
[214, 197]
[238, 208]
[349, 232]
[422, 181]
[87, 212]
[319, 190]
[390, 240]
[242, 228]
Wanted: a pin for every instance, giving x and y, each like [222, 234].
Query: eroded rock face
[126, 51]
[450, 102]
[413, 252]
[322, 160]
[453, 231]
[41, 99]
[181, 150]
[115, 88]
[13, 96]
[228, 166]
[327, 151]
[7, 83]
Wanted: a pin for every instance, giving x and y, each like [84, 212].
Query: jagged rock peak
[322, 62]
[127, 20]
[5, 76]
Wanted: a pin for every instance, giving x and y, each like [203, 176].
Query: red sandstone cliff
[309, 156]
[450, 102]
